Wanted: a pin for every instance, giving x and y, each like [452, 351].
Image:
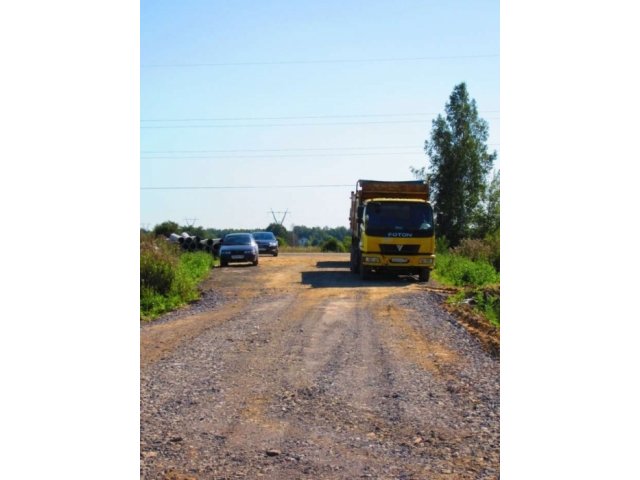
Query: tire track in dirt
[331, 378]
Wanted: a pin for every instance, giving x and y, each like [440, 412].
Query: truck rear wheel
[364, 271]
[353, 260]
[423, 276]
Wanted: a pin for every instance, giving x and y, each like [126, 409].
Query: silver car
[238, 248]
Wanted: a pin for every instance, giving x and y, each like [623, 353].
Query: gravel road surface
[298, 369]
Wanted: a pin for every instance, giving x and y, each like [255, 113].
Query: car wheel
[275, 254]
[255, 264]
[223, 264]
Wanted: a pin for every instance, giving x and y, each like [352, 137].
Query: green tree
[278, 230]
[332, 245]
[488, 215]
[166, 228]
[459, 162]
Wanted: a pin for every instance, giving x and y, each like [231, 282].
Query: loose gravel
[312, 380]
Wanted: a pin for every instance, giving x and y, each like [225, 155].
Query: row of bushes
[476, 249]
[332, 244]
[458, 270]
[169, 276]
[475, 265]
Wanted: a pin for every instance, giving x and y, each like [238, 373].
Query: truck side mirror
[359, 214]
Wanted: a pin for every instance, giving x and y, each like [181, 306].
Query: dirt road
[298, 369]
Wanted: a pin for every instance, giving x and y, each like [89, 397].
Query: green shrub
[487, 301]
[332, 245]
[193, 267]
[346, 243]
[473, 249]
[493, 240]
[484, 300]
[282, 242]
[442, 244]
[461, 271]
[158, 261]
[168, 278]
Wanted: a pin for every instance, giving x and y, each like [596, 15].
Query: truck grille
[404, 250]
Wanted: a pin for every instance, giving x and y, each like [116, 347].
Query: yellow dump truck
[392, 228]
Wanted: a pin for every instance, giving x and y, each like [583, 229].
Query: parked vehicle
[267, 242]
[392, 228]
[238, 248]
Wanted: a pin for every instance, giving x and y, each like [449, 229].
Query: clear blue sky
[282, 93]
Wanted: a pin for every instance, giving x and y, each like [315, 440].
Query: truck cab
[392, 228]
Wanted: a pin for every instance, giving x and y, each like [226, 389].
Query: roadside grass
[460, 271]
[484, 300]
[169, 278]
[477, 280]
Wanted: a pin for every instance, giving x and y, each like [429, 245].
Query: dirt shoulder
[297, 369]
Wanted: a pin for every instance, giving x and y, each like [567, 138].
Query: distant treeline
[298, 236]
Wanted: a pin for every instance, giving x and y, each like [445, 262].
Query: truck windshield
[398, 219]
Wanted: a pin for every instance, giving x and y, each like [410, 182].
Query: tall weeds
[455, 269]
[473, 265]
[169, 277]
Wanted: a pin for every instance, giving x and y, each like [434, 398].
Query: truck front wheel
[423, 275]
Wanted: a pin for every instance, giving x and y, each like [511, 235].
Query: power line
[245, 187]
[293, 124]
[304, 62]
[276, 149]
[316, 155]
[222, 119]
[377, 147]
[287, 156]
[284, 124]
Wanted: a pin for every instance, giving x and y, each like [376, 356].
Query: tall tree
[459, 162]
[488, 218]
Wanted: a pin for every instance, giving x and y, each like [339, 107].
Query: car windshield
[237, 240]
[264, 236]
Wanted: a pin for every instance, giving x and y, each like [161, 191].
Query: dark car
[267, 242]
[238, 247]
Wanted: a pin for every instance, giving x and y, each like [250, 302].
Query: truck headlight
[427, 261]
[371, 259]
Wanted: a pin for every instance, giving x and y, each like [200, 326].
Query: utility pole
[190, 222]
[283, 217]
